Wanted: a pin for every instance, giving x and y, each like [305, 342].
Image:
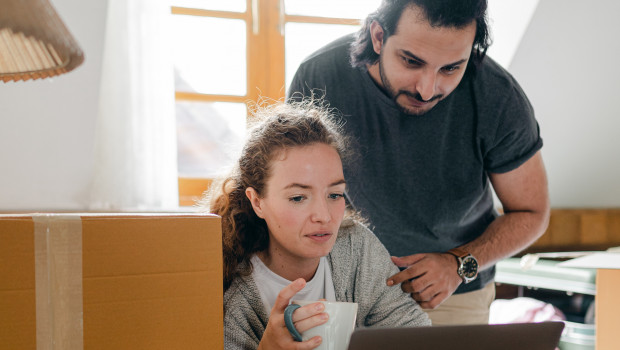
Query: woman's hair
[439, 13]
[273, 129]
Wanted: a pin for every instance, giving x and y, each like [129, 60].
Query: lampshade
[34, 42]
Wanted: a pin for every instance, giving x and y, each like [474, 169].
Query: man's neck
[375, 75]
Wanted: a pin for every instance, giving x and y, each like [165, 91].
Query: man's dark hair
[439, 13]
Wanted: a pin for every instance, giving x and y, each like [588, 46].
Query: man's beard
[393, 94]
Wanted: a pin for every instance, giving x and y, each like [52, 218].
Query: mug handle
[288, 320]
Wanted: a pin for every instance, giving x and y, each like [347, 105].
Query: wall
[47, 126]
[508, 20]
[567, 64]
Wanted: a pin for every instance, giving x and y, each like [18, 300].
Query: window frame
[265, 59]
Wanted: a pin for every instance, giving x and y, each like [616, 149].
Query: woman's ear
[376, 34]
[252, 195]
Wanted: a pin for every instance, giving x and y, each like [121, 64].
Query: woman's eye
[296, 199]
[336, 196]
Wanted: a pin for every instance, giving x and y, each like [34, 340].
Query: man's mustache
[418, 97]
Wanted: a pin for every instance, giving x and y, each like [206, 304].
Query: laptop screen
[515, 336]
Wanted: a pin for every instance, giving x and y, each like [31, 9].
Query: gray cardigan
[360, 266]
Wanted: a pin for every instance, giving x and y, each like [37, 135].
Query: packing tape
[58, 281]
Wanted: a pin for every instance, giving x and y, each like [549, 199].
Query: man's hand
[276, 334]
[430, 278]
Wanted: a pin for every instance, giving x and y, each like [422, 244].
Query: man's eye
[408, 61]
[450, 69]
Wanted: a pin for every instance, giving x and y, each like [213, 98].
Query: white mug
[336, 332]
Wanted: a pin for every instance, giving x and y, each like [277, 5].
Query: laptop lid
[515, 336]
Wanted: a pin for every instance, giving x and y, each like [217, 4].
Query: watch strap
[458, 252]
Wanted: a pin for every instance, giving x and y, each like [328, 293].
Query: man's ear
[252, 195]
[376, 34]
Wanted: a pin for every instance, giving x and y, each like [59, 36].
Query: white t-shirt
[321, 286]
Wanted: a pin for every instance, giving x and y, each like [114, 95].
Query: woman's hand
[276, 334]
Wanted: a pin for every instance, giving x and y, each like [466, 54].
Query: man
[436, 125]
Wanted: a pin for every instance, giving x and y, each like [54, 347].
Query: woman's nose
[320, 211]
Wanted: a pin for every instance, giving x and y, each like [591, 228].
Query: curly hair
[439, 13]
[273, 129]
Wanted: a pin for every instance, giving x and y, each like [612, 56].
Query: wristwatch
[468, 265]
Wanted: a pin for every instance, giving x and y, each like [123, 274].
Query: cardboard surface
[17, 284]
[148, 282]
[607, 307]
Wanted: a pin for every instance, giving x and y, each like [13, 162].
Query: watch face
[470, 267]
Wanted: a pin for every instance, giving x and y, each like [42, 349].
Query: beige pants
[466, 308]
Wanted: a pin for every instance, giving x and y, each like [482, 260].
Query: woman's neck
[287, 266]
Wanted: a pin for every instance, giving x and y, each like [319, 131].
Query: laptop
[514, 336]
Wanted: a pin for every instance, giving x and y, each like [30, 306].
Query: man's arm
[524, 196]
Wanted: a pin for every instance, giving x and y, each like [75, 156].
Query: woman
[287, 234]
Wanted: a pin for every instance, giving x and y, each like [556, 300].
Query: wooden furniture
[580, 229]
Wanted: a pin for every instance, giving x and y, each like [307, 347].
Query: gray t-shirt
[422, 181]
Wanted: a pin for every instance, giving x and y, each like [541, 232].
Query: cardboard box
[607, 307]
[86, 281]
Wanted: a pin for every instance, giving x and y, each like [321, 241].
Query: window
[231, 53]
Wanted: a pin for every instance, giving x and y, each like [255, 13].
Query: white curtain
[135, 165]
